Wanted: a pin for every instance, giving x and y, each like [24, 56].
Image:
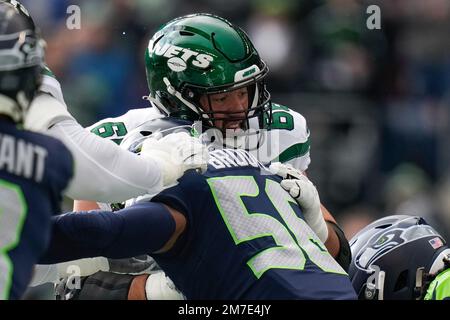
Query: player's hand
[176, 153]
[159, 287]
[305, 194]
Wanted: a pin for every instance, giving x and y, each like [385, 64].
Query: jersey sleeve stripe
[295, 151]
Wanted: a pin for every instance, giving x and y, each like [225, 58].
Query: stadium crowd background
[377, 101]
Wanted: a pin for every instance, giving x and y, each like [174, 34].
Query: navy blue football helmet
[21, 59]
[392, 257]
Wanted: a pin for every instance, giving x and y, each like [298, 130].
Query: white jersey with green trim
[116, 128]
[287, 140]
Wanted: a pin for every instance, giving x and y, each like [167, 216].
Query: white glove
[159, 287]
[176, 153]
[305, 194]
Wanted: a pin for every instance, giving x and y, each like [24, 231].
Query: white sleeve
[301, 163]
[103, 171]
[45, 273]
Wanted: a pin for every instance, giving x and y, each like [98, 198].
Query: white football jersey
[287, 141]
[116, 128]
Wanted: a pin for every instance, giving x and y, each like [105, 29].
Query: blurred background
[377, 101]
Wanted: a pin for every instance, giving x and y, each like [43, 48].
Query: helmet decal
[179, 57]
[436, 243]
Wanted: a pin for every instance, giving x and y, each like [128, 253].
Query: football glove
[176, 153]
[305, 194]
[159, 287]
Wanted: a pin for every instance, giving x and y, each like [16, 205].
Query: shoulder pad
[116, 128]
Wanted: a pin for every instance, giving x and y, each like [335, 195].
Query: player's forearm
[336, 243]
[103, 171]
[141, 229]
[332, 242]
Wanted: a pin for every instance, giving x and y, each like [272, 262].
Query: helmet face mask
[193, 58]
[392, 257]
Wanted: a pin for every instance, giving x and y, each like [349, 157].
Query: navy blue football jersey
[246, 237]
[34, 170]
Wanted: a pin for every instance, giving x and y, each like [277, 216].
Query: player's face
[230, 106]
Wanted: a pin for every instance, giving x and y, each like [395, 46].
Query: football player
[201, 67]
[120, 174]
[31, 161]
[34, 168]
[231, 233]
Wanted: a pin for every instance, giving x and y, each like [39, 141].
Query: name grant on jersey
[229, 158]
[22, 158]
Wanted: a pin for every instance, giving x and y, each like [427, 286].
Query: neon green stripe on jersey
[440, 287]
[13, 213]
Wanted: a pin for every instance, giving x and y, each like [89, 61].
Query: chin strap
[157, 104]
[171, 90]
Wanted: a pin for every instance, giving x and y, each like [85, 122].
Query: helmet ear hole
[186, 33]
[402, 280]
[384, 226]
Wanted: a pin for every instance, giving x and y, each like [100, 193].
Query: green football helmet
[202, 54]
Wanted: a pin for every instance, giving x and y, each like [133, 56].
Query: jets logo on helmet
[178, 57]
